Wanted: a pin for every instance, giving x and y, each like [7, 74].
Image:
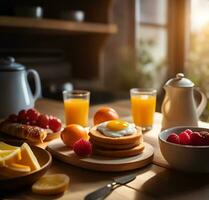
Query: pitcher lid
[180, 81]
[8, 64]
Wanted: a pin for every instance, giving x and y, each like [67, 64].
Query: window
[151, 42]
[197, 67]
[172, 36]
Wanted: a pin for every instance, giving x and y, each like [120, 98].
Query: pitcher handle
[37, 80]
[203, 102]
[164, 107]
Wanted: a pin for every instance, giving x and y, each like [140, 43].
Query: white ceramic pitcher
[15, 91]
[179, 106]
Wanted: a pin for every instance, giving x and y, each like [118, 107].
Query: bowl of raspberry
[186, 148]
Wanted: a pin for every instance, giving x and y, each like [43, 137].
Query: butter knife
[102, 192]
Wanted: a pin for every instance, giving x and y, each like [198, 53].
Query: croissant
[31, 133]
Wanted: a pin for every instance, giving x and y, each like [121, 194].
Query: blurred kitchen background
[108, 46]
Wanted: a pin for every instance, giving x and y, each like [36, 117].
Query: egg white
[102, 128]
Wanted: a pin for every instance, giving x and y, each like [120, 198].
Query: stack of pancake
[118, 147]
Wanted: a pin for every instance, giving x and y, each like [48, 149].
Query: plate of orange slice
[21, 164]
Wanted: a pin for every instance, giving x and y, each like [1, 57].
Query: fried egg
[116, 128]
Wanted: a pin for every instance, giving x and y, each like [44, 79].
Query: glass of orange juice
[76, 107]
[143, 103]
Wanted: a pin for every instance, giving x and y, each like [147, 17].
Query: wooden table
[152, 182]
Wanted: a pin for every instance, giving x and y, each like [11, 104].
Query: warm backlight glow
[199, 14]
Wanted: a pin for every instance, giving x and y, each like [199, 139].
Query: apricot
[72, 133]
[105, 114]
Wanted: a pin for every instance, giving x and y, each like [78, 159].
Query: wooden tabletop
[152, 182]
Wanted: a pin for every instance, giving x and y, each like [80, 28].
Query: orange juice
[76, 111]
[143, 108]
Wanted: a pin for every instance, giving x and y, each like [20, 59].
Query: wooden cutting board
[100, 163]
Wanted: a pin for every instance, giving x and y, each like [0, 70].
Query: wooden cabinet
[82, 42]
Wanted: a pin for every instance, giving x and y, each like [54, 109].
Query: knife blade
[102, 192]
[125, 179]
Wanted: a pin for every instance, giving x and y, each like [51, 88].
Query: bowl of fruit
[186, 148]
[21, 165]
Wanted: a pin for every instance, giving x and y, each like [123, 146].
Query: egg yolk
[117, 125]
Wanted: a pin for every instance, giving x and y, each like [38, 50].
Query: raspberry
[43, 121]
[32, 115]
[173, 138]
[22, 117]
[205, 138]
[55, 124]
[188, 131]
[196, 139]
[184, 138]
[12, 118]
[82, 147]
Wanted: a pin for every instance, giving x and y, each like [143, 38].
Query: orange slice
[17, 166]
[10, 156]
[14, 170]
[28, 158]
[51, 184]
[4, 153]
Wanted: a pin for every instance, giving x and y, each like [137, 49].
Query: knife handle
[101, 192]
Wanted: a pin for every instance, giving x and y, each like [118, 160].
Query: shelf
[56, 26]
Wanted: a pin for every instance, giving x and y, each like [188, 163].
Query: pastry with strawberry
[31, 125]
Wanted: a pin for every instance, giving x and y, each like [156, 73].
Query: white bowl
[184, 157]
